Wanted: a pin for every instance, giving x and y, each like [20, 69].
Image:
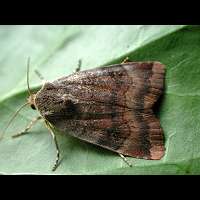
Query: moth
[107, 106]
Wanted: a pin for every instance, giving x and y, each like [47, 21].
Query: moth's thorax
[53, 99]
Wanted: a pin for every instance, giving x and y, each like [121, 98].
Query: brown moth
[106, 106]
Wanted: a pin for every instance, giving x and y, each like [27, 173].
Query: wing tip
[156, 137]
[157, 152]
[158, 67]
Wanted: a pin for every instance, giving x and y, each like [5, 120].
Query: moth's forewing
[109, 106]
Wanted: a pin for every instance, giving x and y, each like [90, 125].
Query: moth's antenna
[27, 76]
[19, 109]
[12, 118]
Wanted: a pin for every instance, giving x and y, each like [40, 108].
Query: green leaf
[55, 51]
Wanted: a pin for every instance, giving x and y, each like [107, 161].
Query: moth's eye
[33, 106]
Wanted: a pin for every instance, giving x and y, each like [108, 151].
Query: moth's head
[31, 101]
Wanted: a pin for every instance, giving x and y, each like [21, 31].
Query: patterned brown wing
[135, 85]
[127, 132]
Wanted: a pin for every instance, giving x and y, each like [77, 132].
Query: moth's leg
[125, 160]
[56, 144]
[30, 125]
[79, 65]
[125, 60]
